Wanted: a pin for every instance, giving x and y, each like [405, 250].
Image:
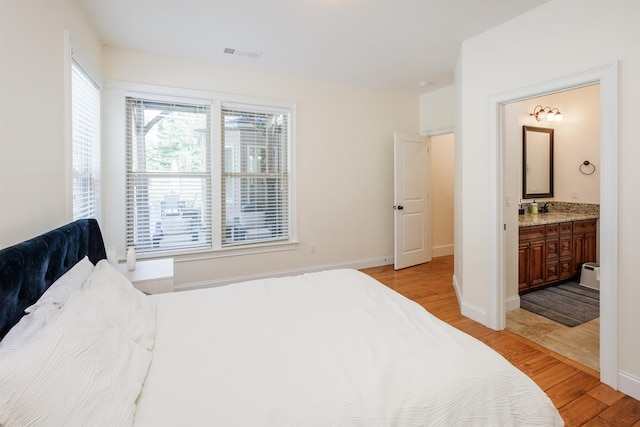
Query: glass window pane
[85, 151]
[255, 175]
[169, 179]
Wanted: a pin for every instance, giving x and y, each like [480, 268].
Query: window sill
[235, 251]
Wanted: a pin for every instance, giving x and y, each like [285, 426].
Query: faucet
[544, 208]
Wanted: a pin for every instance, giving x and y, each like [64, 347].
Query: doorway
[576, 139]
[411, 198]
[442, 193]
[607, 77]
[438, 234]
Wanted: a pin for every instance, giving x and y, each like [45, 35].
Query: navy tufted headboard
[29, 268]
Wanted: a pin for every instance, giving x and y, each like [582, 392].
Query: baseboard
[442, 250]
[474, 313]
[512, 303]
[467, 309]
[456, 288]
[629, 384]
[357, 265]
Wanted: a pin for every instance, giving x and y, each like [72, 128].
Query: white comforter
[324, 349]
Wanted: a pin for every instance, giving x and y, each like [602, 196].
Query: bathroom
[575, 188]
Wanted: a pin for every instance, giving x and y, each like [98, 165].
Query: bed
[320, 349]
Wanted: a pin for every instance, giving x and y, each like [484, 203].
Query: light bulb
[559, 117]
[551, 115]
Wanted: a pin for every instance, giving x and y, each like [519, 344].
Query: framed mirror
[537, 162]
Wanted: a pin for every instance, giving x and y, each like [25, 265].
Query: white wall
[586, 34]
[344, 163]
[437, 111]
[33, 140]
[576, 138]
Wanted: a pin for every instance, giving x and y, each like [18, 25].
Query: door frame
[607, 77]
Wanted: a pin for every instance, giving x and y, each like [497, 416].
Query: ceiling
[380, 44]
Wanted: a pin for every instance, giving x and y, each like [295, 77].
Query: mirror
[537, 162]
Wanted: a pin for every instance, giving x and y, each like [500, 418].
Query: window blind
[168, 176]
[255, 175]
[85, 131]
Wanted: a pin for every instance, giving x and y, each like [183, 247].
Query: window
[255, 175]
[85, 146]
[205, 175]
[168, 175]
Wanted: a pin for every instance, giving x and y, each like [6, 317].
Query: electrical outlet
[575, 194]
[508, 200]
[312, 248]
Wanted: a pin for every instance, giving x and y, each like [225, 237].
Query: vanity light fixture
[546, 113]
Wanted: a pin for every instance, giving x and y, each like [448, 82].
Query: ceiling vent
[246, 53]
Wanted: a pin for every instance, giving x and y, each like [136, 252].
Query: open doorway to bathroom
[575, 189]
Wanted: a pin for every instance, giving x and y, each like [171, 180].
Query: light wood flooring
[574, 388]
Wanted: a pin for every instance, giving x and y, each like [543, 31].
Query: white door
[412, 216]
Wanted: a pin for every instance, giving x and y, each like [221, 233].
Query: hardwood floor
[575, 389]
[580, 343]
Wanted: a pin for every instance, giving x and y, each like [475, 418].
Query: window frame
[117, 92]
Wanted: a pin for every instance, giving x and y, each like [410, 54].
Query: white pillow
[60, 290]
[79, 370]
[28, 326]
[124, 305]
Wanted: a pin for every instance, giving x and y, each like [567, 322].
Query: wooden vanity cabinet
[584, 243]
[558, 252]
[531, 257]
[553, 253]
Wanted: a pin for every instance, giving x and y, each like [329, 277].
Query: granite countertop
[553, 217]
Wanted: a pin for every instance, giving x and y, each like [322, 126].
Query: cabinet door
[584, 250]
[578, 252]
[589, 247]
[523, 266]
[536, 263]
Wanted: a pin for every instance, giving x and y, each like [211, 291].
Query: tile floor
[580, 343]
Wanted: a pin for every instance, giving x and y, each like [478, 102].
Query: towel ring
[587, 168]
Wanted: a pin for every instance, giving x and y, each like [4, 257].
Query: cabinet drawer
[528, 234]
[552, 230]
[584, 226]
[566, 228]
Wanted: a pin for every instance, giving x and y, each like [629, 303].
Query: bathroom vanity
[553, 246]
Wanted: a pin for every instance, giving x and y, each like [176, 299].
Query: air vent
[246, 53]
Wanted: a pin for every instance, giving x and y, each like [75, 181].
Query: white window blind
[168, 176]
[255, 175]
[85, 130]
